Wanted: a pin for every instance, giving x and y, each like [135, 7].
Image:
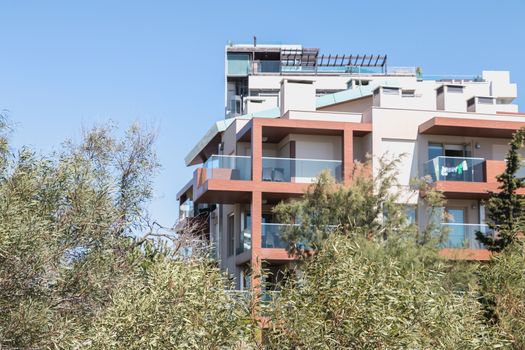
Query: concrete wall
[297, 95]
[272, 82]
[260, 103]
[324, 116]
[229, 137]
[500, 85]
[405, 150]
[313, 146]
[322, 82]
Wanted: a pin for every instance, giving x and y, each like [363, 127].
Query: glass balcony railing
[456, 169]
[298, 170]
[228, 168]
[267, 66]
[464, 235]
[271, 235]
[453, 77]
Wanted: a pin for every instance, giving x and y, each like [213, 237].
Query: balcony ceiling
[276, 134]
[470, 127]
[274, 130]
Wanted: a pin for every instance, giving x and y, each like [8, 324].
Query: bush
[503, 288]
[173, 304]
[355, 294]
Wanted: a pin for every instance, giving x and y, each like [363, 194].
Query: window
[231, 234]
[246, 279]
[456, 89]
[411, 211]
[486, 100]
[245, 235]
[390, 91]
[435, 150]
[408, 93]
[359, 82]
[504, 101]
[448, 150]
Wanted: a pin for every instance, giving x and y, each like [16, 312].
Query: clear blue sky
[68, 64]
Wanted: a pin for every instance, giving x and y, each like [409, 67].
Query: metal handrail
[451, 157]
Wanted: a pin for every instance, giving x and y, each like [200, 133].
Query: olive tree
[78, 248]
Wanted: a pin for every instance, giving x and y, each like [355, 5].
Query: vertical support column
[256, 151]
[348, 155]
[256, 237]
[256, 263]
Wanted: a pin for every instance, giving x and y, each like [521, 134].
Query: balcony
[271, 235]
[464, 235]
[228, 168]
[223, 180]
[298, 170]
[466, 178]
[455, 169]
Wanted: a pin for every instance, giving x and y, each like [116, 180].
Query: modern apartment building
[292, 112]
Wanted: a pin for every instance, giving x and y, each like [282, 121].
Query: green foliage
[76, 242]
[368, 208]
[361, 294]
[173, 304]
[434, 232]
[502, 283]
[506, 208]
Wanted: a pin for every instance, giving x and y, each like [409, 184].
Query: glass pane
[456, 236]
[229, 168]
[457, 215]
[411, 211]
[435, 150]
[298, 170]
[464, 235]
[456, 169]
[238, 64]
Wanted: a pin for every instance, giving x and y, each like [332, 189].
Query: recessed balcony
[465, 177]
[298, 170]
[463, 169]
[271, 235]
